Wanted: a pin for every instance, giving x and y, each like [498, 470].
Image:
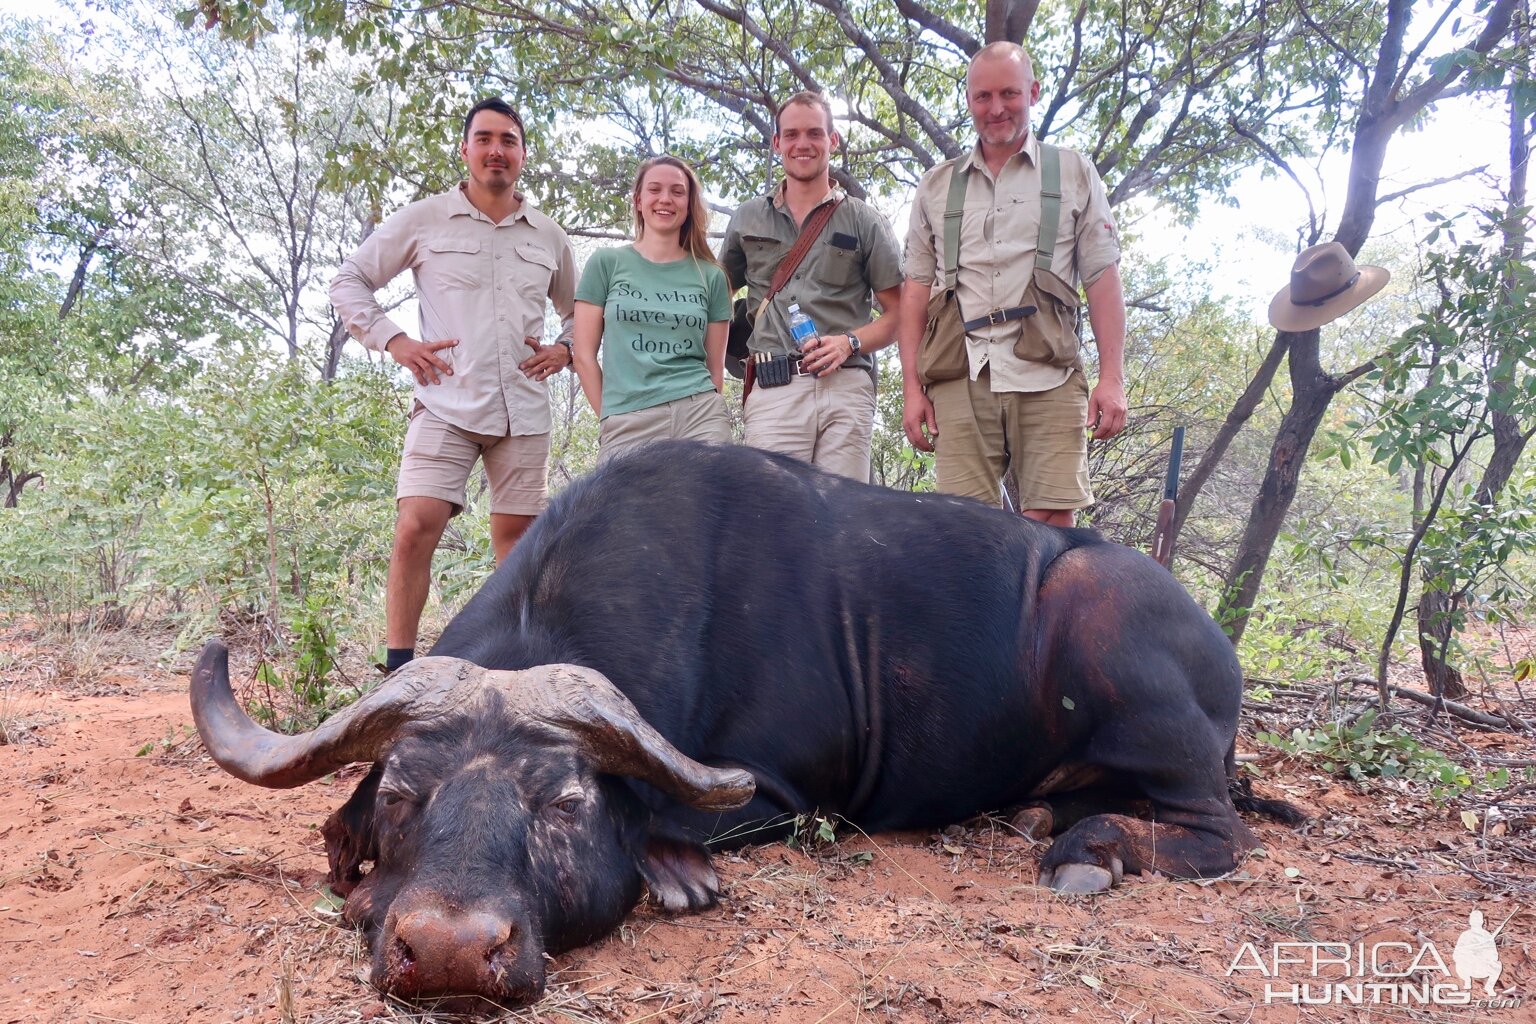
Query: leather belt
[797, 368]
[1000, 316]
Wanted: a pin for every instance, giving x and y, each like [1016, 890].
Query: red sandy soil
[146, 885]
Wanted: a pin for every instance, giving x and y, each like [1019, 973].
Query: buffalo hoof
[1079, 879]
[1034, 823]
[679, 875]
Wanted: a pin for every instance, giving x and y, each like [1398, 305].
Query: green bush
[1361, 751]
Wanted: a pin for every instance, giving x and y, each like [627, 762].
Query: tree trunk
[333, 346]
[1240, 413]
[1008, 20]
[1312, 391]
[1509, 439]
[12, 482]
[1435, 607]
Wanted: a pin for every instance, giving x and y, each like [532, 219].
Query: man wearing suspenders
[1024, 401]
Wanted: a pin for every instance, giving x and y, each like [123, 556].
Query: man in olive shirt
[826, 414]
[485, 262]
[1010, 411]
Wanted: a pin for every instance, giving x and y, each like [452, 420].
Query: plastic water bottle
[801, 329]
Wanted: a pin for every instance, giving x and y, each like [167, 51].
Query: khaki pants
[699, 417]
[439, 457]
[826, 421]
[1041, 433]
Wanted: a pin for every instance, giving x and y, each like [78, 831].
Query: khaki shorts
[439, 457]
[1041, 433]
[826, 421]
[700, 417]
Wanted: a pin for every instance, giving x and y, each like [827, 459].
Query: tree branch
[1411, 189]
[946, 30]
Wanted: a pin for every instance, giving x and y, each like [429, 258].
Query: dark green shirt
[854, 257]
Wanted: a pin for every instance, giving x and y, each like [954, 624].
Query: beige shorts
[439, 457]
[700, 417]
[826, 421]
[1041, 433]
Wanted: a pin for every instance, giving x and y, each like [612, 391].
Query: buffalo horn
[615, 737]
[421, 690]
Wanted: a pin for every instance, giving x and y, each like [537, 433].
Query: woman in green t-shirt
[659, 308]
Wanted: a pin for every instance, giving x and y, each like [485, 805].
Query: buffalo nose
[438, 953]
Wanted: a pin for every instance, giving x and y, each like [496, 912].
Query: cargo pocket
[1049, 334]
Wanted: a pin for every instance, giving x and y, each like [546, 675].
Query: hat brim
[1288, 316]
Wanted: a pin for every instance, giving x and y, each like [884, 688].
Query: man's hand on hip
[1107, 409]
[546, 361]
[420, 357]
[916, 415]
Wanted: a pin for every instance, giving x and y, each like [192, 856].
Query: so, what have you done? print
[659, 320]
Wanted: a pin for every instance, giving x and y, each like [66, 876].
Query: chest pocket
[842, 265]
[533, 268]
[764, 254]
[1024, 210]
[454, 265]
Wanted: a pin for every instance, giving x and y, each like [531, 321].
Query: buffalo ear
[349, 835]
[679, 874]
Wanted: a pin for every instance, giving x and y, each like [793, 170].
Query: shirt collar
[467, 208]
[778, 195]
[1031, 152]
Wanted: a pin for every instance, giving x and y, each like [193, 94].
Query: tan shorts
[700, 417]
[439, 457]
[826, 421]
[1041, 433]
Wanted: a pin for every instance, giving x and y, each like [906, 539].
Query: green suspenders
[1050, 213]
[954, 212]
[1050, 205]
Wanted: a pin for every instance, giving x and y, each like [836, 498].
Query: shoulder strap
[808, 235]
[954, 213]
[1050, 205]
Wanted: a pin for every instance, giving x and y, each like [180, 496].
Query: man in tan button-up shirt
[485, 262]
[1011, 411]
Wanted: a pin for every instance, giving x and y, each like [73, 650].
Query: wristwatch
[569, 343]
[854, 343]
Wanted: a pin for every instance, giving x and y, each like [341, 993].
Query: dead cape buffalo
[698, 639]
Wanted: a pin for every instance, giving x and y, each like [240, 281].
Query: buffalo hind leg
[1094, 854]
[1052, 815]
[1195, 833]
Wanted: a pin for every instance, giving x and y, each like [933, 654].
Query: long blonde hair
[694, 233]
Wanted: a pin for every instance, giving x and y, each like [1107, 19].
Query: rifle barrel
[1171, 485]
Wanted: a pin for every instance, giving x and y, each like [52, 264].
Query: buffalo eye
[566, 806]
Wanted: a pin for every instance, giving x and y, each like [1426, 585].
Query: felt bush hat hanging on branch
[1325, 284]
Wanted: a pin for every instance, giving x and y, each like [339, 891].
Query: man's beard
[1008, 134]
[820, 174]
